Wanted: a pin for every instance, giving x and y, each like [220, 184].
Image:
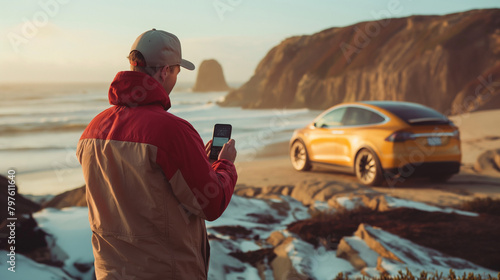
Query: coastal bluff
[449, 62]
[210, 77]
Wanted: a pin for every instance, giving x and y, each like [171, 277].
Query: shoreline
[50, 182]
[271, 166]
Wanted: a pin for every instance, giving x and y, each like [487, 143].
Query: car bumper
[423, 169]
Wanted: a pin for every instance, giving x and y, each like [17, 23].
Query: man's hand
[228, 151]
[208, 147]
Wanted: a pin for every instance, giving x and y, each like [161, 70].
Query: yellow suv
[380, 141]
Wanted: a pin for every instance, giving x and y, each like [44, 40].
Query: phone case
[221, 134]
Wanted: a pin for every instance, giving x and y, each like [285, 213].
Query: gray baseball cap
[160, 48]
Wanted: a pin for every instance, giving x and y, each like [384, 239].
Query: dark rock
[28, 237]
[83, 267]
[233, 231]
[30, 240]
[22, 204]
[255, 257]
[264, 219]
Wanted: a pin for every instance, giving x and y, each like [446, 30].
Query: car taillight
[400, 136]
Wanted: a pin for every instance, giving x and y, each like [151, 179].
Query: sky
[88, 41]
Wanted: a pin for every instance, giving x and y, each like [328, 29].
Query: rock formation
[271, 235]
[450, 63]
[75, 197]
[27, 237]
[21, 206]
[488, 163]
[210, 77]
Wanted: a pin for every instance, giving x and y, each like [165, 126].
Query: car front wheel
[367, 168]
[299, 156]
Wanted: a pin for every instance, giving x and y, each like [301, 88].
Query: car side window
[360, 116]
[331, 119]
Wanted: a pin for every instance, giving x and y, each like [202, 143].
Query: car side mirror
[320, 125]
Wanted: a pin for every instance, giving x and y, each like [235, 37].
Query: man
[150, 185]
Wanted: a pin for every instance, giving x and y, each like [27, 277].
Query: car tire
[367, 168]
[299, 156]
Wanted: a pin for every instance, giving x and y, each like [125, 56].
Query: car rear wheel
[299, 156]
[367, 168]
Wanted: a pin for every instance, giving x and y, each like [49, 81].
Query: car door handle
[337, 132]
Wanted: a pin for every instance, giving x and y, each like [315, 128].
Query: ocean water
[40, 125]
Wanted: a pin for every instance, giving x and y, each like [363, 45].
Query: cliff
[450, 62]
[210, 77]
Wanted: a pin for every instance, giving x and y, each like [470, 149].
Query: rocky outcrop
[210, 77]
[488, 163]
[450, 63]
[26, 236]
[28, 239]
[455, 235]
[70, 198]
[276, 237]
[21, 204]
[373, 249]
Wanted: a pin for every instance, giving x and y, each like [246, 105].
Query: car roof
[408, 111]
[385, 104]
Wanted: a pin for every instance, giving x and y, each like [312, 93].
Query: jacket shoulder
[170, 121]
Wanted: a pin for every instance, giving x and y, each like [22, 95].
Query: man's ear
[164, 73]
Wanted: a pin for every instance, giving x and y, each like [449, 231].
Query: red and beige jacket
[150, 186]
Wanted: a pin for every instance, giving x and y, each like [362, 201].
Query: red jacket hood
[131, 89]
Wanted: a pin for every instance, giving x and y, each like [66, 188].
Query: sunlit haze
[88, 41]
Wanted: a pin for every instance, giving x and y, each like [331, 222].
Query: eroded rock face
[488, 163]
[210, 77]
[450, 63]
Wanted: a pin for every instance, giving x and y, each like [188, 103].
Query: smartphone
[222, 134]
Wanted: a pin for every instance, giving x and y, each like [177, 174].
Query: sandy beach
[479, 133]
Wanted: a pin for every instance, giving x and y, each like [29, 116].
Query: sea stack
[210, 77]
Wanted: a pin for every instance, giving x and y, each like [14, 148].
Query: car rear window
[412, 113]
[360, 116]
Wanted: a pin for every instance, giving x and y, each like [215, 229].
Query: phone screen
[220, 141]
[222, 134]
